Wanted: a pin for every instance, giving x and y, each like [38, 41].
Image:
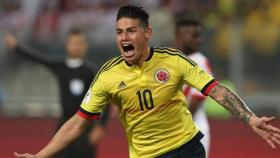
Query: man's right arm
[11, 42]
[70, 131]
[261, 125]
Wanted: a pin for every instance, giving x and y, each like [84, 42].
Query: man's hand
[10, 41]
[70, 131]
[265, 130]
[26, 155]
[260, 125]
[96, 134]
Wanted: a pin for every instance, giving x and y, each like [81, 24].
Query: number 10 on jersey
[145, 97]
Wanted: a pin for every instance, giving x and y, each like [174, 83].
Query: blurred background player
[74, 76]
[188, 39]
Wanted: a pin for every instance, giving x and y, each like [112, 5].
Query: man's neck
[144, 57]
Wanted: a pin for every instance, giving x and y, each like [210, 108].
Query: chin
[130, 60]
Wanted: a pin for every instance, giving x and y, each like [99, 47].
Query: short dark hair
[134, 12]
[75, 31]
[186, 22]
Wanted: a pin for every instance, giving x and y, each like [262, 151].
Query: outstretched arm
[11, 42]
[71, 130]
[261, 125]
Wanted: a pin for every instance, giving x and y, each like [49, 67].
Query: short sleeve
[194, 76]
[94, 101]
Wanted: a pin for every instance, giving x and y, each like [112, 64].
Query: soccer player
[146, 83]
[188, 39]
[74, 75]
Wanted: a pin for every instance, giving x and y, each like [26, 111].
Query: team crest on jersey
[161, 76]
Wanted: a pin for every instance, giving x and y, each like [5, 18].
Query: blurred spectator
[12, 17]
[161, 20]
[222, 39]
[261, 27]
[46, 23]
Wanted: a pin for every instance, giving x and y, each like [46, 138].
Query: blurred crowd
[255, 24]
[48, 20]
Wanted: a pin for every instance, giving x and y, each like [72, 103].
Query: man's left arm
[260, 125]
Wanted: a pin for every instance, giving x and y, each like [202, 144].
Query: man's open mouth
[128, 49]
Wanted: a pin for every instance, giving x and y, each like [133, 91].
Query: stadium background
[241, 40]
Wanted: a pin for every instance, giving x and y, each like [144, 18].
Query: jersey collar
[148, 59]
[74, 63]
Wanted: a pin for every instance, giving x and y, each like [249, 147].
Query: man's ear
[148, 32]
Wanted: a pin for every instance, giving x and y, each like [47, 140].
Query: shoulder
[202, 61]
[111, 63]
[198, 57]
[167, 51]
[173, 53]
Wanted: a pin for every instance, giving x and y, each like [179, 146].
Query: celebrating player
[146, 83]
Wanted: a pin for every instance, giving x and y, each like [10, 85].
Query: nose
[124, 36]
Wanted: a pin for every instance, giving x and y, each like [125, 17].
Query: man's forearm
[231, 102]
[71, 130]
[33, 54]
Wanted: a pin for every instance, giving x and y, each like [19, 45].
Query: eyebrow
[133, 27]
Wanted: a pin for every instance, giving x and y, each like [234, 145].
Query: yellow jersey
[152, 106]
